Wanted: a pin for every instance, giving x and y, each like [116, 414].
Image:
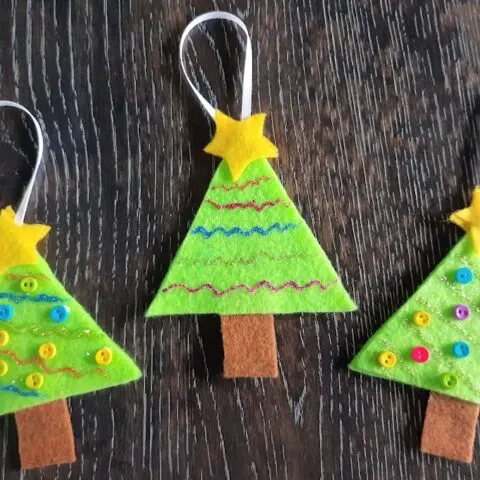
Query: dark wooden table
[374, 107]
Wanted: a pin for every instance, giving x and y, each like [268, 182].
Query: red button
[420, 354]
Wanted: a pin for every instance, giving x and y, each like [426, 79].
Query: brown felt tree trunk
[249, 345]
[449, 428]
[45, 435]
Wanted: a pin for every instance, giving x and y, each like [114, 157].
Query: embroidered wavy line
[30, 298]
[243, 186]
[15, 389]
[241, 260]
[253, 204]
[251, 290]
[38, 276]
[245, 233]
[59, 331]
[42, 365]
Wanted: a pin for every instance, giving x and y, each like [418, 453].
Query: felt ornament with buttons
[50, 347]
[249, 254]
[432, 342]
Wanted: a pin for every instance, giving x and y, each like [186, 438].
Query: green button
[28, 284]
[449, 380]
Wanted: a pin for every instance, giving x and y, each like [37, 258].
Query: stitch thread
[251, 290]
[457, 326]
[15, 389]
[457, 290]
[41, 363]
[60, 331]
[38, 276]
[400, 361]
[31, 298]
[242, 186]
[465, 260]
[451, 365]
[245, 233]
[253, 204]
[241, 260]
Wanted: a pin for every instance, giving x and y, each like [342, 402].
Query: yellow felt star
[18, 243]
[240, 142]
[469, 219]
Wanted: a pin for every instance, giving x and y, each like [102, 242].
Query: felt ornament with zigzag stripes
[248, 254]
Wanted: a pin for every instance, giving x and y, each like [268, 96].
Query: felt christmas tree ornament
[50, 347]
[433, 341]
[248, 254]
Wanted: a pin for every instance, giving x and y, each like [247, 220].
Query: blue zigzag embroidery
[15, 389]
[30, 298]
[245, 233]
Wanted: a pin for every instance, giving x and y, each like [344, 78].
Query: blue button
[461, 349]
[463, 275]
[6, 312]
[59, 314]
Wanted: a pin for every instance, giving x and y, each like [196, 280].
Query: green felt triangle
[438, 295]
[73, 370]
[249, 251]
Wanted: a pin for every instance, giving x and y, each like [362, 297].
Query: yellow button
[421, 319]
[28, 284]
[4, 338]
[47, 350]
[387, 359]
[34, 381]
[3, 368]
[103, 356]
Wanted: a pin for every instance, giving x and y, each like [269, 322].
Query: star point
[240, 142]
[18, 242]
[469, 219]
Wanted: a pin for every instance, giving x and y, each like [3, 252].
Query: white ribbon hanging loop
[247, 72]
[22, 208]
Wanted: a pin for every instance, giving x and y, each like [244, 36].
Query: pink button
[461, 312]
[420, 354]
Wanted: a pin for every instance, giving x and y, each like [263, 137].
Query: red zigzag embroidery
[244, 186]
[251, 290]
[252, 204]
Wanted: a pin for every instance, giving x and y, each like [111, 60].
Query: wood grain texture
[375, 109]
